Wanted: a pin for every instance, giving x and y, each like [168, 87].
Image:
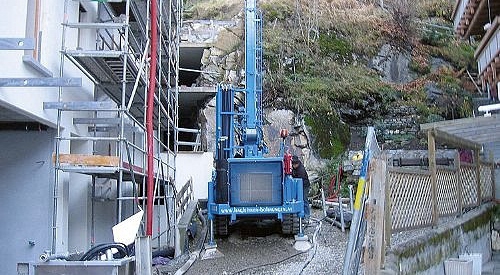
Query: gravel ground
[258, 248]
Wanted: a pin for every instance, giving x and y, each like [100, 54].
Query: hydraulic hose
[316, 231]
[97, 250]
[45, 257]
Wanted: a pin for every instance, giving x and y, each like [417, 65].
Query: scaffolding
[115, 122]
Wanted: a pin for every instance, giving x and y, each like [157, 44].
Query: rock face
[204, 31]
[223, 58]
[297, 143]
[398, 128]
[393, 65]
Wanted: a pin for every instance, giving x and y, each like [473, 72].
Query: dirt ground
[259, 248]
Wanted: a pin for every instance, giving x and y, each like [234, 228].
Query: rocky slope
[334, 67]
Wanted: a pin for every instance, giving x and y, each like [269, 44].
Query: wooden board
[374, 238]
[87, 160]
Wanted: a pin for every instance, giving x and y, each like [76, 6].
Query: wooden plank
[455, 122]
[473, 128]
[487, 36]
[96, 25]
[455, 140]
[87, 160]
[478, 175]
[375, 218]
[482, 5]
[88, 53]
[404, 170]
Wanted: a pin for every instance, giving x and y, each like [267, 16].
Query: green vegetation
[459, 53]
[276, 10]
[455, 101]
[324, 176]
[479, 221]
[332, 45]
[421, 68]
[318, 56]
[331, 135]
[447, 238]
[435, 8]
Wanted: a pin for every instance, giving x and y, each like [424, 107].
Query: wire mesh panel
[447, 192]
[486, 181]
[411, 202]
[256, 187]
[469, 185]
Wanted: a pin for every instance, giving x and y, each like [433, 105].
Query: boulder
[227, 41]
[393, 65]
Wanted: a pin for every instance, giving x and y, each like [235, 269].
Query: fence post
[478, 175]
[431, 144]
[387, 211]
[375, 218]
[459, 185]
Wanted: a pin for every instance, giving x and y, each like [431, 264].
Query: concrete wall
[427, 253]
[197, 165]
[25, 196]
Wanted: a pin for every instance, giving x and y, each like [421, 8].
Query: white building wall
[25, 196]
[73, 205]
[29, 101]
[199, 166]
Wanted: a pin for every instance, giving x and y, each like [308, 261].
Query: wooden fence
[411, 202]
[402, 199]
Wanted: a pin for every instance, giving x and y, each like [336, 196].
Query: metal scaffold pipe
[149, 116]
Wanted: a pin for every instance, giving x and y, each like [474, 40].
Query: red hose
[149, 118]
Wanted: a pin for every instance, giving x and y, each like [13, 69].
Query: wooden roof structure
[467, 133]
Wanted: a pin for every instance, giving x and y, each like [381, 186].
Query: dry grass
[360, 23]
[213, 9]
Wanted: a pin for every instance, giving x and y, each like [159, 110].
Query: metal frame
[239, 137]
[117, 66]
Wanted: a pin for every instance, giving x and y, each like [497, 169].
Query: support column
[375, 247]
[459, 184]
[431, 143]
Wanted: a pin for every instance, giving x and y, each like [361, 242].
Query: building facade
[74, 81]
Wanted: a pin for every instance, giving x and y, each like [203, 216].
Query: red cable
[149, 118]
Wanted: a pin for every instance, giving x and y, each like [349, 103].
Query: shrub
[435, 8]
[336, 47]
[276, 10]
[331, 135]
[459, 53]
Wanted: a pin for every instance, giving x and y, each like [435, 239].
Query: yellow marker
[358, 156]
[359, 193]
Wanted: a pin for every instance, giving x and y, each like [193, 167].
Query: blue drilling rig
[245, 183]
